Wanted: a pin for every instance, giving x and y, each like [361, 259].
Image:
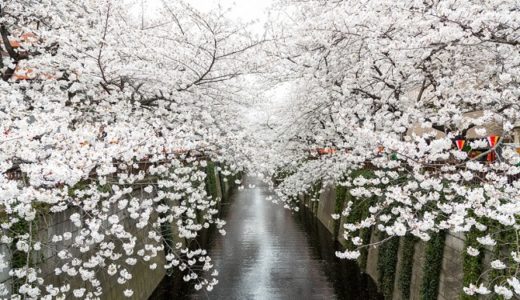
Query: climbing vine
[360, 211]
[211, 180]
[363, 257]
[223, 182]
[315, 197]
[386, 266]
[506, 240]
[341, 193]
[472, 265]
[19, 258]
[405, 276]
[432, 268]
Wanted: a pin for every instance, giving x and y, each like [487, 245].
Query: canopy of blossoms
[114, 118]
[105, 114]
[391, 99]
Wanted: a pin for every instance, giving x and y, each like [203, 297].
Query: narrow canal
[270, 253]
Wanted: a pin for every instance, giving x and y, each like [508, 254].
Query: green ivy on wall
[365, 234]
[386, 265]
[341, 194]
[472, 265]
[405, 275]
[506, 239]
[433, 266]
[223, 186]
[19, 259]
[211, 180]
[315, 192]
[167, 235]
[359, 212]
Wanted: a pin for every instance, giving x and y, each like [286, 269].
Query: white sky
[247, 10]
[244, 10]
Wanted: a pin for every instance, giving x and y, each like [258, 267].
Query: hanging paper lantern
[460, 144]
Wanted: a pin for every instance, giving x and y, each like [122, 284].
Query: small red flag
[460, 144]
[493, 140]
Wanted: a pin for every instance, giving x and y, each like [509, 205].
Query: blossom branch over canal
[112, 129]
[382, 94]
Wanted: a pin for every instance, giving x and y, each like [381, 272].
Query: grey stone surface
[417, 271]
[397, 291]
[220, 191]
[326, 207]
[373, 257]
[450, 285]
[4, 274]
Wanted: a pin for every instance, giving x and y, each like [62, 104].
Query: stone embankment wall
[405, 268]
[144, 280]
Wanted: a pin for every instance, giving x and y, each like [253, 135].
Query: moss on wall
[405, 276]
[341, 193]
[211, 180]
[19, 259]
[432, 269]
[386, 265]
[506, 240]
[315, 194]
[363, 257]
[472, 265]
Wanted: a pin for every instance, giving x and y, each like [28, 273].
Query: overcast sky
[244, 10]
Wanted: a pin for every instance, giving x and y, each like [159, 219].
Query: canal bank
[271, 253]
[402, 268]
[51, 229]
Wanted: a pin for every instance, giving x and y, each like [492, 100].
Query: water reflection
[270, 254]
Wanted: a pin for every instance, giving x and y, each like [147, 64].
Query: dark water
[269, 253]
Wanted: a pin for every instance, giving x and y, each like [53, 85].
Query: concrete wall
[373, 258]
[451, 276]
[144, 279]
[397, 290]
[5, 279]
[326, 207]
[451, 283]
[419, 260]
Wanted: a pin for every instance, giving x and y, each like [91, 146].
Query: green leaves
[433, 265]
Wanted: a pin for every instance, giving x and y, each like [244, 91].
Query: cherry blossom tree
[113, 121]
[389, 87]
